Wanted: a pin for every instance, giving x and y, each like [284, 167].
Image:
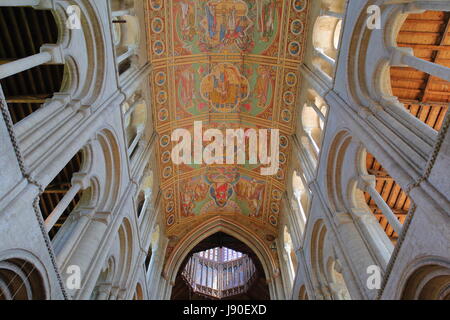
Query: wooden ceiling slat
[424, 46]
[443, 36]
[440, 120]
[389, 190]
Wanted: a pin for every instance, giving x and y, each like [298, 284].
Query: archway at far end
[217, 270]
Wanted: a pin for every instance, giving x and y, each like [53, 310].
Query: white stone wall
[362, 116]
[333, 237]
[88, 115]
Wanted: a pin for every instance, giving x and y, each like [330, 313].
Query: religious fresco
[231, 64]
[221, 190]
[224, 88]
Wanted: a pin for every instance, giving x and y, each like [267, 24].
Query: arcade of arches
[356, 92]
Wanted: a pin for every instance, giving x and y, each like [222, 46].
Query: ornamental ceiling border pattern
[258, 46]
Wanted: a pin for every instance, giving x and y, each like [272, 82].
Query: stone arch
[126, 253]
[369, 80]
[290, 252]
[326, 36]
[138, 293]
[93, 62]
[86, 67]
[22, 277]
[317, 253]
[301, 193]
[105, 280]
[219, 224]
[426, 279]
[337, 195]
[326, 273]
[303, 294]
[112, 178]
[421, 94]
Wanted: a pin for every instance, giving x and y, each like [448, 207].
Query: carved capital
[56, 52]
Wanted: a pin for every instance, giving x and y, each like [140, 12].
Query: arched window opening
[135, 117]
[221, 267]
[386, 199]
[20, 280]
[139, 293]
[326, 270]
[430, 282]
[313, 120]
[24, 31]
[337, 35]
[326, 37]
[290, 254]
[337, 284]
[303, 294]
[219, 272]
[62, 196]
[148, 258]
[301, 194]
[126, 34]
[145, 194]
[152, 251]
[111, 283]
[104, 281]
[423, 94]
[140, 203]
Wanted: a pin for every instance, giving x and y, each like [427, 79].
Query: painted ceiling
[230, 64]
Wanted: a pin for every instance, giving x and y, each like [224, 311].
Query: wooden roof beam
[431, 78]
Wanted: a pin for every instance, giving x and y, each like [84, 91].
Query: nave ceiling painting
[230, 64]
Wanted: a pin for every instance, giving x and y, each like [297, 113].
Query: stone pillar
[367, 183]
[405, 57]
[321, 54]
[49, 54]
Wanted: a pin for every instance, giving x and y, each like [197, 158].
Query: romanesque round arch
[126, 253]
[337, 193]
[22, 276]
[112, 164]
[427, 278]
[88, 68]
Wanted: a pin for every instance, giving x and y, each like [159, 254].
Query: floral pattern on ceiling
[230, 64]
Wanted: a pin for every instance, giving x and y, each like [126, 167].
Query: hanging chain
[10, 127]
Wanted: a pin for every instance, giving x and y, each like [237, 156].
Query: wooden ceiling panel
[425, 96]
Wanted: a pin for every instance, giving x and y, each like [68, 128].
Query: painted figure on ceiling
[187, 87]
[210, 16]
[188, 18]
[191, 192]
[263, 85]
[224, 87]
[251, 191]
[225, 25]
[266, 18]
[221, 184]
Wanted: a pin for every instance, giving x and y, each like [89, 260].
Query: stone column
[405, 57]
[367, 183]
[49, 54]
[321, 54]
